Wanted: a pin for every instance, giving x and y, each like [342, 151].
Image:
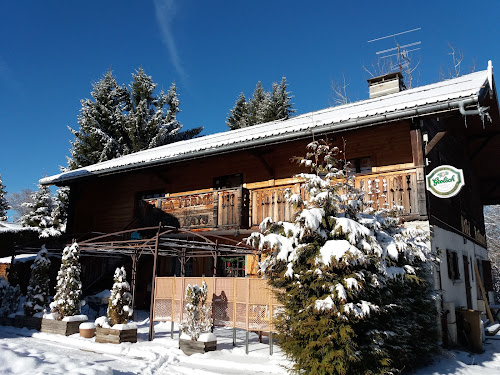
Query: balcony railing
[387, 190]
[226, 208]
[243, 208]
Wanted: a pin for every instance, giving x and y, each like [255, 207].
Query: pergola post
[133, 280]
[151, 307]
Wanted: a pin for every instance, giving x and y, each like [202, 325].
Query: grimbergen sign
[445, 181]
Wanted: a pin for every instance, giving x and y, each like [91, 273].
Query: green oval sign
[445, 181]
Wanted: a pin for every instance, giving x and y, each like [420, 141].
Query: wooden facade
[185, 193]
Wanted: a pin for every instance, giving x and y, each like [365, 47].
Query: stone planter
[61, 327]
[29, 322]
[87, 330]
[115, 336]
[189, 346]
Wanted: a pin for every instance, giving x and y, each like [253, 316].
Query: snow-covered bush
[355, 286]
[120, 301]
[9, 297]
[69, 288]
[38, 288]
[197, 312]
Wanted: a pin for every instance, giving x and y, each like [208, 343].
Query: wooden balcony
[223, 209]
[246, 208]
[387, 190]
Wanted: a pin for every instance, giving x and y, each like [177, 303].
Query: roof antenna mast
[401, 52]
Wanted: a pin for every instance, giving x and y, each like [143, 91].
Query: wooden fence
[246, 303]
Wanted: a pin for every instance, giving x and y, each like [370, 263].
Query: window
[452, 261]
[361, 165]
[229, 181]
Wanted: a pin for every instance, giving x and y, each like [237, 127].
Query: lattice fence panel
[259, 317]
[163, 310]
[222, 314]
[241, 313]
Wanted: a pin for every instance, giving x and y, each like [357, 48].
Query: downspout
[481, 111]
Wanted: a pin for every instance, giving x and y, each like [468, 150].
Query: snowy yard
[24, 351]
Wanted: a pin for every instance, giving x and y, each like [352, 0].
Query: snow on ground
[24, 351]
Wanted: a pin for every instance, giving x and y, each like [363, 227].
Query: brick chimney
[389, 83]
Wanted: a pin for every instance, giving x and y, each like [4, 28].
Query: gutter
[280, 138]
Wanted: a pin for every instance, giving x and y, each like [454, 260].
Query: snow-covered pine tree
[261, 107]
[197, 312]
[101, 133]
[9, 297]
[355, 286]
[4, 205]
[60, 211]
[40, 213]
[120, 301]
[238, 116]
[280, 107]
[152, 119]
[258, 106]
[69, 288]
[38, 288]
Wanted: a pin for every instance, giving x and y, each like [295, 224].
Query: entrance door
[467, 281]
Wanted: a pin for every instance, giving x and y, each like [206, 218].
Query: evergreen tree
[69, 288]
[60, 211]
[121, 120]
[261, 107]
[9, 297]
[238, 116]
[198, 313]
[40, 213]
[258, 106]
[152, 120]
[119, 307]
[4, 205]
[101, 133]
[38, 288]
[280, 107]
[355, 286]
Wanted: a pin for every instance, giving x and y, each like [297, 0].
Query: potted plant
[196, 327]
[65, 317]
[114, 328]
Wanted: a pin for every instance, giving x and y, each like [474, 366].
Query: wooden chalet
[218, 188]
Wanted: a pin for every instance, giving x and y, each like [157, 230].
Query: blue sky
[51, 52]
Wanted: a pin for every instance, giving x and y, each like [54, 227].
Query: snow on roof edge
[468, 86]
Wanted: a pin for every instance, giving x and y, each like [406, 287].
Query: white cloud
[165, 11]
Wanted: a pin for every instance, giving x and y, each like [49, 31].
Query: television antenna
[400, 51]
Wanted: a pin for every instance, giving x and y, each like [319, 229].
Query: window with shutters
[452, 261]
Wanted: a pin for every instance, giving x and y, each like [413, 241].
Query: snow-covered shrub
[38, 288]
[9, 297]
[120, 301]
[197, 312]
[355, 286]
[69, 288]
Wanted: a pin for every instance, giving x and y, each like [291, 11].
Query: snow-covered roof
[10, 227]
[19, 258]
[443, 95]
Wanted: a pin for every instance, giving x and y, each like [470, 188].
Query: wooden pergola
[163, 241]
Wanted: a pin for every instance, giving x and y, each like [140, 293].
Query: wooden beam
[434, 141]
[483, 293]
[264, 163]
[418, 160]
